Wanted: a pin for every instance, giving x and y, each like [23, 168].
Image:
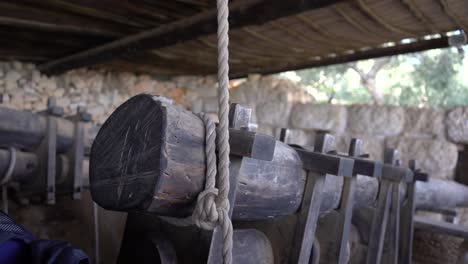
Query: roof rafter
[421, 45]
[242, 13]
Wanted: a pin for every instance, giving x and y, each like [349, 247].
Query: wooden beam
[49, 27]
[242, 13]
[440, 227]
[372, 53]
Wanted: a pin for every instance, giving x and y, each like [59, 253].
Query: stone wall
[429, 135]
[432, 136]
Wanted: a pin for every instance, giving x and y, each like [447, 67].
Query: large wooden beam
[242, 13]
[149, 157]
[440, 227]
[56, 28]
[377, 52]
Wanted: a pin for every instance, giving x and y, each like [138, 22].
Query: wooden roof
[178, 36]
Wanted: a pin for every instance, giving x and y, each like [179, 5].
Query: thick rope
[208, 213]
[223, 128]
[212, 207]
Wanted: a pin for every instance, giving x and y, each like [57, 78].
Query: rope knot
[205, 214]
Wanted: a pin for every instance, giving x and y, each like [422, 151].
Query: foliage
[431, 78]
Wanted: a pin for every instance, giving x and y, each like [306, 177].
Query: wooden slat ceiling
[267, 36]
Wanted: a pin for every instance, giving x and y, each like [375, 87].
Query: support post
[304, 235]
[407, 215]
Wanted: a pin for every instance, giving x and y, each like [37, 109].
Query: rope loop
[205, 214]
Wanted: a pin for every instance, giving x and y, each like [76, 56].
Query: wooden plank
[251, 144]
[407, 226]
[346, 208]
[379, 223]
[242, 13]
[440, 227]
[50, 27]
[307, 218]
[44, 12]
[326, 164]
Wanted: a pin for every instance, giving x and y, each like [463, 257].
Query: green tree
[431, 78]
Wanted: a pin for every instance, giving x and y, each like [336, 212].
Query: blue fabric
[18, 246]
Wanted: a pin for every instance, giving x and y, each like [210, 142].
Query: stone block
[267, 130]
[323, 117]
[196, 106]
[436, 157]
[424, 123]
[11, 79]
[145, 86]
[210, 105]
[457, 124]
[376, 120]
[274, 113]
[205, 91]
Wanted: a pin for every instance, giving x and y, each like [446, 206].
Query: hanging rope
[223, 129]
[212, 207]
[209, 211]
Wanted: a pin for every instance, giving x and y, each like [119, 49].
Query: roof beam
[242, 13]
[57, 28]
[372, 53]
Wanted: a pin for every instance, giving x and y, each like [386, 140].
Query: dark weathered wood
[346, 207]
[437, 193]
[49, 27]
[407, 218]
[304, 235]
[407, 226]
[379, 223]
[251, 144]
[145, 231]
[440, 227]
[149, 156]
[391, 253]
[326, 164]
[161, 169]
[242, 13]
[307, 219]
[396, 174]
[372, 168]
[269, 189]
[251, 246]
